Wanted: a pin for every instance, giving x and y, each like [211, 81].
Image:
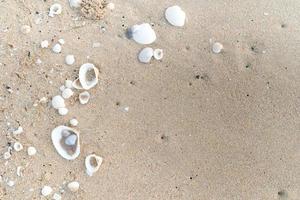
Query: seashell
[142, 34]
[75, 3]
[84, 97]
[145, 55]
[70, 59]
[63, 111]
[74, 122]
[110, 6]
[175, 16]
[46, 191]
[56, 196]
[68, 84]
[61, 41]
[158, 54]
[18, 146]
[55, 9]
[76, 84]
[31, 151]
[73, 186]
[10, 183]
[18, 131]
[19, 171]
[92, 164]
[56, 48]
[88, 76]
[66, 142]
[217, 47]
[67, 93]
[62, 88]
[58, 102]
[6, 155]
[45, 44]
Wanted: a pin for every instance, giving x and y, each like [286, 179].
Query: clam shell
[84, 97]
[61, 137]
[92, 164]
[142, 34]
[88, 76]
[175, 16]
[145, 55]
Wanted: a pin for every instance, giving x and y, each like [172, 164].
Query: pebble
[46, 191]
[58, 102]
[56, 196]
[18, 131]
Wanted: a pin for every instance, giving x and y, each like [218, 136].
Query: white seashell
[63, 111]
[110, 6]
[70, 59]
[56, 48]
[158, 54]
[75, 3]
[175, 16]
[18, 131]
[19, 171]
[142, 34]
[217, 47]
[88, 76]
[67, 93]
[73, 186]
[92, 164]
[74, 122]
[62, 88]
[68, 84]
[6, 155]
[145, 55]
[18, 146]
[46, 191]
[61, 41]
[61, 137]
[58, 102]
[10, 183]
[45, 44]
[76, 84]
[84, 97]
[31, 151]
[56, 196]
[55, 9]
[25, 29]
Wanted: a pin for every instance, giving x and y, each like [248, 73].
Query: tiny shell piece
[68, 84]
[145, 55]
[56, 48]
[18, 146]
[75, 3]
[46, 191]
[142, 34]
[31, 151]
[58, 102]
[55, 9]
[158, 54]
[70, 59]
[175, 16]
[18, 131]
[73, 186]
[74, 122]
[217, 47]
[84, 97]
[56, 196]
[111, 6]
[63, 111]
[67, 93]
[45, 44]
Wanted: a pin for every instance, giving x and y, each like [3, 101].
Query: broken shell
[56, 196]
[73, 186]
[67, 93]
[19, 171]
[18, 131]
[63, 111]
[56, 48]
[70, 59]
[58, 102]
[74, 122]
[84, 97]
[68, 84]
[55, 9]
[46, 190]
[142, 34]
[61, 41]
[75, 3]
[31, 151]
[45, 44]
[88, 76]
[175, 16]
[76, 84]
[145, 55]
[158, 54]
[62, 88]
[92, 164]
[6, 155]
[66, 142]
[217, 47]
[18, 146]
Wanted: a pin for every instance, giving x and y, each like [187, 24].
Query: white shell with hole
[66, 142]
[145, 55]
[158, 54]
[92, 164]
[143, 33]
[84, 97]
[88, 76]
[175, 16]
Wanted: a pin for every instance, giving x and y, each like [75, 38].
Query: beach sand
[199, 125]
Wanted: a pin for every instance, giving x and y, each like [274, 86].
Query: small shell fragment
[175, 16]
[74, 122]
[55, 9]
[58, 102]
[61, 41]
[70, 59]
[111, 6]
[18, 131]
[45, 44]
[145, 55]
[75, 3]
[18, 146]
[25, 29]
[84, 97]
[67, 93]
[68, 84]
[142, 34]
[92, 164]
[158, 54]
[56, 48]
[31, 151]
[217, 47]
[88, 76]
[73, 186]
[56, 196]
[63, 111]
[46, 191]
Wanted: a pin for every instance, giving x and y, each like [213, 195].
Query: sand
[199, 126]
